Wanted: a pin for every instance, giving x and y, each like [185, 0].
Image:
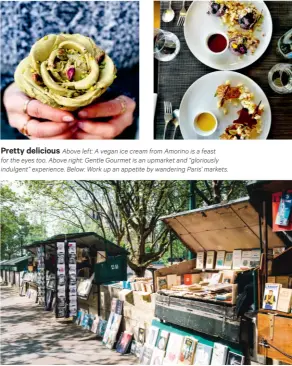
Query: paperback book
[228, 261]
[152, 336]
[200, 260]
[157, 357]
[220, 259]
[210, 262]
[219, 354]
[141, 335]
[146, 354]
[285, 300]
[173, 349]
[271, 296]
[162, 340]
[203, 354]
[234, 359]
[124, 342]
[187, 352]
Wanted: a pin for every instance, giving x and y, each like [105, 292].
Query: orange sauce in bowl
[205, 122]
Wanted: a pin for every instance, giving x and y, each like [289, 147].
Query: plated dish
[228, 35]
[240, 108]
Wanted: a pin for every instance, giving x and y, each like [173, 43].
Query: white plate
[199, 25]
[200, 97]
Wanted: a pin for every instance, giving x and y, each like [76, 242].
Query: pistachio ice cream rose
[65, 71]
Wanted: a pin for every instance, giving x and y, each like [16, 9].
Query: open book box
[224, 227]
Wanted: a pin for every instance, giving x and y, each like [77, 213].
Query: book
[228, 261]
[236, 259]
[219, 354]
[146, 354]
[285, 300]
[200, 263]
[138, 349]
[210, 262]
[119, 307]
[162, 340]
[186, 356]
[228, 276]
[108, 327]
[94, 326]
[157, 357]
[191, 278]
[173, 349]
[124, 342]
[277, 251]
[114, 305]
[162, 283]
[133, 348]
[220, 259]
[203, 354]
[234, 359]
[271, 296]
[152, 336]
[255, 258]
[101, 327]
[171, 280]
[141, 335]
[245, 258]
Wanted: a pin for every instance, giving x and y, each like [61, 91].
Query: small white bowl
[201, 132]
[217, 53]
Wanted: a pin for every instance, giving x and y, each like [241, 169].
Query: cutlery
[168, 14]
[167, 116]
[175, 121]
[182, 15]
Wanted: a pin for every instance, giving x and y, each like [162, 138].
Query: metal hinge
[272, 325]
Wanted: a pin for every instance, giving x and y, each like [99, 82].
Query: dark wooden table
[171, 81]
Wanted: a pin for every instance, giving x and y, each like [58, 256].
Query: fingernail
[68, 119]
[82, 114]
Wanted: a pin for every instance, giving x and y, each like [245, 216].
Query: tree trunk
[140, 271]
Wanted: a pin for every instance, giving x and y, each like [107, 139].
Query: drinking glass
[166, 45]
[280, 78]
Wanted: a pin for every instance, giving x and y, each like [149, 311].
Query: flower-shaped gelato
[65, 71]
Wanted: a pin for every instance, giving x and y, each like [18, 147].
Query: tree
[127, 212]
[16, 230]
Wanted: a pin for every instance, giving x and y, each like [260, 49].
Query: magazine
[187, 352]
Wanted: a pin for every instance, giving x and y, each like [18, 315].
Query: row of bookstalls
[230, 304]
[12, 270]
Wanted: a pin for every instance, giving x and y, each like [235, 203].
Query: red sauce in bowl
[217, 43]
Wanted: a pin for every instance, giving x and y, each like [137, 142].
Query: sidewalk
[32, 336]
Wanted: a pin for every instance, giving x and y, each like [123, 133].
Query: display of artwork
[124, 342]
[94, 327]
[101, 328]
[66, 293]
[41, 276]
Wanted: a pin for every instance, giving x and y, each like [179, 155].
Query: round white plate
[199, 25]
[200, 97]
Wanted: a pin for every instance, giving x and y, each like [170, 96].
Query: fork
[167, 116]
[182, 15]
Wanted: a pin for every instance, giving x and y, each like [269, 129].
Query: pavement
[32, 336]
